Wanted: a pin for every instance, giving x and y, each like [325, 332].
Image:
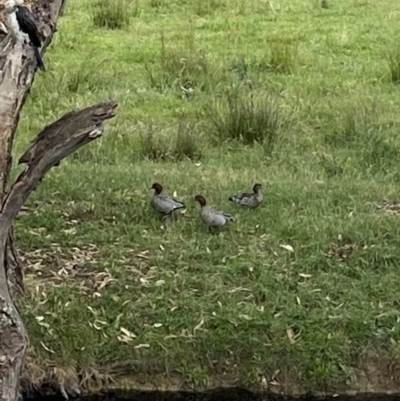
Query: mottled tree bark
[54, 143]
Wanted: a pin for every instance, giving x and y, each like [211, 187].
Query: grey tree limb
[54, 143]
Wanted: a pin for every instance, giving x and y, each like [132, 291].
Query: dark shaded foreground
[223, 395]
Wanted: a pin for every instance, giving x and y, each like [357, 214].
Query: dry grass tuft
[244, 118]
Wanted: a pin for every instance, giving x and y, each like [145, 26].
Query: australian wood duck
[164, 204]
[249, 199]
[212, 218]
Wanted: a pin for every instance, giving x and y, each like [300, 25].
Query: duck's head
[257, 187]
[157, 188]
[201, 199]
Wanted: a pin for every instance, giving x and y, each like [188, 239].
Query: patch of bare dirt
[389, 207]
[342, 252]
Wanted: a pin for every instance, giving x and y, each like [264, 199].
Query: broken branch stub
[56, 141]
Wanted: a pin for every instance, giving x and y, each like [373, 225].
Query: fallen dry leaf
[47, 348]
[199, 325]
[287, 247]
[127, 332]
[142, 346]
[290, 335]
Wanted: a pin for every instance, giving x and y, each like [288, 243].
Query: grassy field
[214, 96]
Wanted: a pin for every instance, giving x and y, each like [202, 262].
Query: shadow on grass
[236, 394]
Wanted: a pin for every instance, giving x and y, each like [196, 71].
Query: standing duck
[164, 204]
[249, 199]
[212, 218]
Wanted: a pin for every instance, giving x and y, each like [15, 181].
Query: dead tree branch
[54, 143]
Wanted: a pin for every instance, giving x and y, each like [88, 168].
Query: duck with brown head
[249, 199]
[211, 217]
[164, 204]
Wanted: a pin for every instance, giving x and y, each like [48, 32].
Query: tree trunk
[55, 142]
[16, 77]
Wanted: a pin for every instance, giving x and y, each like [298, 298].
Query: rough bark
[55, 142]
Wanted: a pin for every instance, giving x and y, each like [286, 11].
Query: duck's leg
[174, 216]
[164, 220]
[213, 230]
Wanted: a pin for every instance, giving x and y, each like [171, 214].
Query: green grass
[111, 15]
[325, 146]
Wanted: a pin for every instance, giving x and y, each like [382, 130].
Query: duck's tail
[179, 205]
[229, 217]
